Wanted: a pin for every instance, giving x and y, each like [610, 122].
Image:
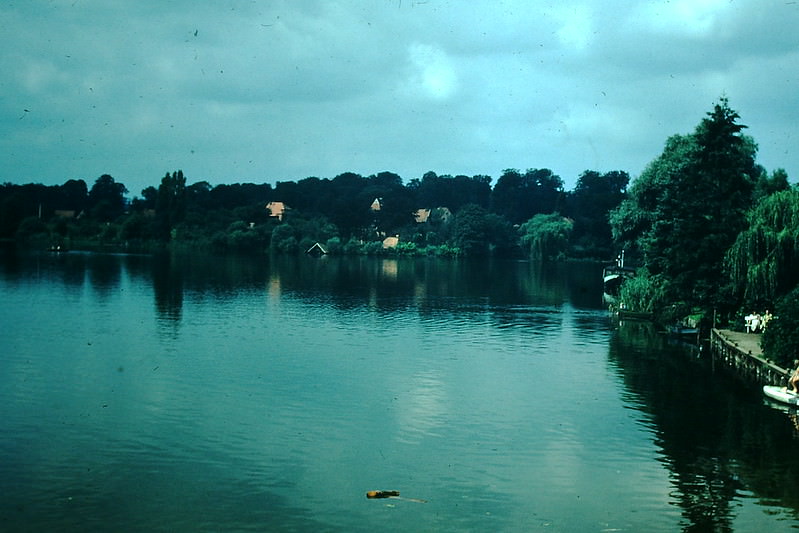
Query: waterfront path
[742, 352]
[748, 343]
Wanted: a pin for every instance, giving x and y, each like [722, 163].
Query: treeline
[524, 214]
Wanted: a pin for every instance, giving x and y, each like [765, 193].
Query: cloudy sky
[270, 90]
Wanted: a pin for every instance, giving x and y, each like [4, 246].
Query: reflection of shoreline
[671, 384]
[168, 288]
[379, 281]
[389, 269]
[274, 289]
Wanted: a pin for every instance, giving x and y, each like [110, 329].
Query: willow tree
[763, 263]
[546, 236]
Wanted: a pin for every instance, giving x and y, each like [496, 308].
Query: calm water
[201, 394]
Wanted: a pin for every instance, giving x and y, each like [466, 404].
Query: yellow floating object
[376, 494]
[372, 494]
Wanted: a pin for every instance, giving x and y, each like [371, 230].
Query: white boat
[613, 275]
[781, 394]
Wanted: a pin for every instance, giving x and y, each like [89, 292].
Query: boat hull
[781, 395]
[613, 276]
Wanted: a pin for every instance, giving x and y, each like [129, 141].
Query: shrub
[643, 293]
[780, 340]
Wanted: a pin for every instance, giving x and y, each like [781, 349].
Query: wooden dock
[742, 353]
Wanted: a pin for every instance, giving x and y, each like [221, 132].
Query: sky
[236, 91]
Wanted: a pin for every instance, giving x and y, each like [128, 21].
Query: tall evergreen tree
[689, 205]
[170, 207]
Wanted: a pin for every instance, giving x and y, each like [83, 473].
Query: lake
[197, 393]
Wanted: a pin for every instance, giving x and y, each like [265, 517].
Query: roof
[421, 215]
[316, 249]
[276, 209]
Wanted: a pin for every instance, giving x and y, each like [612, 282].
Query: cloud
[576, 26]
[693, 18]
[433, 73]
[244, 91]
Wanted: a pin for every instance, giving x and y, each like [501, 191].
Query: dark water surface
[226, 394]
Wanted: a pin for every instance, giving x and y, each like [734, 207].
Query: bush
[780, 340]
[643, 293]
[406, 248]
[373, 248]
[32, 228]
[353, 247]
[334, 246]
[283, 240]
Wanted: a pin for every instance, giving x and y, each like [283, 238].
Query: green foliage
[170, 205]
[316, 229]
[108, 233]
[451, 192]
[767, 185]
[643, 293]
[243, 240]
[689, 205]
[372, 248]
[138, 227]
[149, 198]
[546, 236]
[334, 246]
[476, 232]
[589, 205]
[780, 340]
[763, 263]
[32, 228]
[352, 247]
[518, 196]
[74, 196]
[106, 201]
[284, 240]
[445, 250]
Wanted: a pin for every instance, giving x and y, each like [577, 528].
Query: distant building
[390, 242]
[421, 215]
[442, 214]
[316, 249]
[376, 205]
[277, 209]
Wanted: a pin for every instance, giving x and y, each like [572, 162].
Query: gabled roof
[316, 249]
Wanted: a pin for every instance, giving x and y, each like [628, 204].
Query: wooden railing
[748, 365]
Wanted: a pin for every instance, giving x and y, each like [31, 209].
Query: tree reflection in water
[714, 443]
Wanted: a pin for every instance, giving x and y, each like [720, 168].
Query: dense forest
[713, 232]
[524, 213]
